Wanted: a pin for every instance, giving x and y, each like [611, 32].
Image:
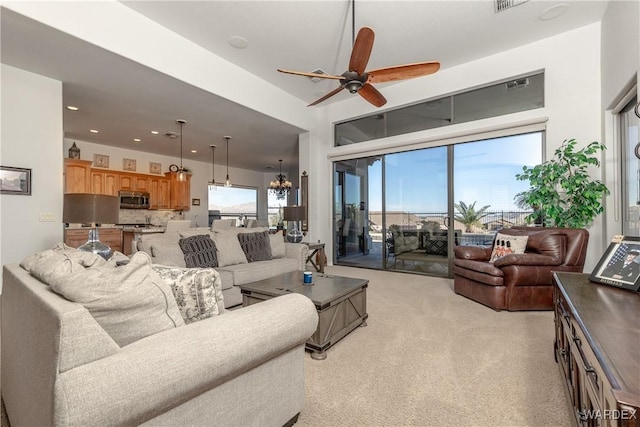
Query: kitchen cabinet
[112, 237]
[180, 191]
[77, 176]
[159, 193]
[127, 182]
[141, 183]
[105, 182]
[166, 192]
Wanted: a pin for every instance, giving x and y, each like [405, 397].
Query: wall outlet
[47, 217]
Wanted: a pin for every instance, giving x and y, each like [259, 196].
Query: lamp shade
[85, 208]
[293, 213]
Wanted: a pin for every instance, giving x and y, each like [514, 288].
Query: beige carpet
[429, 357]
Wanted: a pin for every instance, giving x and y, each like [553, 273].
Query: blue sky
[484, 173]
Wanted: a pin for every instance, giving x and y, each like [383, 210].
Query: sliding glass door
[407, 211]
[416, 211]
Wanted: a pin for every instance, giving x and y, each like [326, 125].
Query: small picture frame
[129, 165]
[101, 160]
[15, 181]
[155, 167]
[195, 202]
[620, 264]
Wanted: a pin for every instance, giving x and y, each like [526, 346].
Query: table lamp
[294, 214]
[84, 208]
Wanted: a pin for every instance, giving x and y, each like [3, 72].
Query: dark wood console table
[598, 346]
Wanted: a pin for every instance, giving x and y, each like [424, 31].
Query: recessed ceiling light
[72, 108]
[238, 42]
[93, 131]
[553, 12]
[194, 151]
[136, 140]
[155, 132]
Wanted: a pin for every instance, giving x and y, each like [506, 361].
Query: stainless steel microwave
[134, 200]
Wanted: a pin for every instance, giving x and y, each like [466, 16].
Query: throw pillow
[199, 251]
[229, 249]
[197, 291]
[128, 301]
[506, 245]
[278, 249]
[256, 246]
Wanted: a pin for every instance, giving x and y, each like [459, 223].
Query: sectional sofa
[91, 344]
[233, 266]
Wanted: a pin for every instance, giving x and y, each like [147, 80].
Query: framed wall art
[129, 165]
[155, 167]
[304, 199]
[101, 160]
[620, 264]
[15, 181]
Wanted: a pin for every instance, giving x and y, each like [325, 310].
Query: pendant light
[227, 181]
[212, 183]
[182, 176]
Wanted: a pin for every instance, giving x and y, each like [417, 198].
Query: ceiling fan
[357, 80]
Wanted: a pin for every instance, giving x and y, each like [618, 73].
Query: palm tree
[469, 216]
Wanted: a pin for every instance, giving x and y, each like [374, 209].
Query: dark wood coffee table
[341, 303]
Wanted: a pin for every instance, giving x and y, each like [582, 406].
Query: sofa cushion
[256, 246]
[259, 270]
[229, 250]
[130, 301]
[199, 251]
[278, 249]
[226, 277]
[198, 291]
[506, 245]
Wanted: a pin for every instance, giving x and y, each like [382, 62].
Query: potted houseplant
[561, 193]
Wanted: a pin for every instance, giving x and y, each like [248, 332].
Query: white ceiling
[126, 100]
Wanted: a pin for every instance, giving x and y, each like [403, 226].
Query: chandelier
[281, 186]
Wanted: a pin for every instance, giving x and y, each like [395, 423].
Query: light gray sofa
[164, 249]
[60, 367]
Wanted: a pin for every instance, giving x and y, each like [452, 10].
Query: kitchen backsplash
[144, 216]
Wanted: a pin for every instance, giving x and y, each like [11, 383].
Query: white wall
[31, 138]
[571, 62]
[620, 68]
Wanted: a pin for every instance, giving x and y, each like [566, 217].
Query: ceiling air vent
[318, 71]
[502, 5]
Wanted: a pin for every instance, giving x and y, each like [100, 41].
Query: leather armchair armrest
[527, 259]
[477, 253]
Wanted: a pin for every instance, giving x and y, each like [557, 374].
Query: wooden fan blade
[361, 50]
[327, 96]
[302, 73]
[402, 72]
[372, 95]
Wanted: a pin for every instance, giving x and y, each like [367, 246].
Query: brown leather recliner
[520, 281]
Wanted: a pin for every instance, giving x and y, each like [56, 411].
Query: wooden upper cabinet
[165, 192]
[127, 182]
[105, 182]
[180, 192]
[77, 176]
[159, 193]
[141, 183]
